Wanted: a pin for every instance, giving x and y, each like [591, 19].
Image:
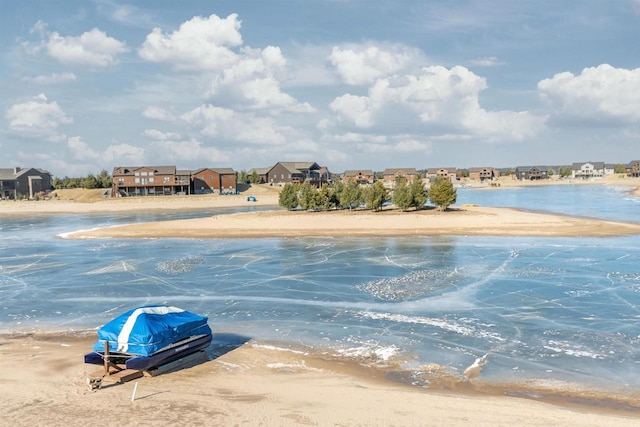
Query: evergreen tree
[338, 188]
[307, 196]
[104, 180]
[288, 197]
[375, 195]
[419, 194]
[90, 182]
[442, 193]
[351, 196]
[402, 197]
[254, 178]
[325, 197]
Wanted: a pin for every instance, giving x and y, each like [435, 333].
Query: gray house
[532, 172]
[18, 183]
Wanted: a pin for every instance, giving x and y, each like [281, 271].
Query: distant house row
[18, 182]
[167, 180]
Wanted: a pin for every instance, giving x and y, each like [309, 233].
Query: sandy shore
[473, 220]
[43, 382]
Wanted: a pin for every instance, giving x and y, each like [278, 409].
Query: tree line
[350, 195]
[102, 180]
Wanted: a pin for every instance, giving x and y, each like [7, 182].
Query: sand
[43, 382]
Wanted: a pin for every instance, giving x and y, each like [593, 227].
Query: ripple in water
[411, 285]
[180, 265]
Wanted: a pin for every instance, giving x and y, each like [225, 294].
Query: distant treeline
[103, 180]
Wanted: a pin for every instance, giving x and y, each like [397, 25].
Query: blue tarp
[145, 330]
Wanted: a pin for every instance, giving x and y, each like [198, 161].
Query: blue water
[552, 310]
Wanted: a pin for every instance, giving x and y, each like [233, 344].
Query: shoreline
[253, 383]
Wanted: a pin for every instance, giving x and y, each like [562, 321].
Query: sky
[89, 85]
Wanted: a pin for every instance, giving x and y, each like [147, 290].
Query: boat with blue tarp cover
[147, 337]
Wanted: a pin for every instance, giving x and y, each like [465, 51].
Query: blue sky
[90, 85]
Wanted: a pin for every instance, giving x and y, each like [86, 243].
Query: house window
[165, 179]
[137, 180]
[281, 176]
[136, 174]
[120, 181]
[143, 173]
[151, 179]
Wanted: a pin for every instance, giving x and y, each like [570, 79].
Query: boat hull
[144, 363]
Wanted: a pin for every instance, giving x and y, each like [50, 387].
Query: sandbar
[467, 221]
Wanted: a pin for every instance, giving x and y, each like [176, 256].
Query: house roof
[358, 172]
[130, 170]
[220, 171]
[597, 165]
[528, 168]
[480, 169]
[11, 173]
[436, 170]
[394, 171]
[259, 171]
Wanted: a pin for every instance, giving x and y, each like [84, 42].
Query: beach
[43, 382]
[43, 379]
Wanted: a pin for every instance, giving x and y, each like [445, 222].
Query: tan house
[362, 177]
[261, 173]
[633, 168]
[446, 173]
[390, 176]
[298, 172]
[483, 174]
[18, 183]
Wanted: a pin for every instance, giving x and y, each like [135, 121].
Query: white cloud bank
[598, 94]
[436, 101]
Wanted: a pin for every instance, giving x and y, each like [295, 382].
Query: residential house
[391, 175]
[17, 183]
[298, 172]
[633, 168]
[532, 172]
[588, 170]
[261, 172]
[483, 173]
[149, 181]
[362, 177]
[216, 180]
[167, 180]
[445, 173]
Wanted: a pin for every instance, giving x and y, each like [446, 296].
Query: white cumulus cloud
[435, 101]
[199, 44]
[37, 118]
[363, 65]
[602, 94]
[93, 48]
[81, 150]
[158, 113]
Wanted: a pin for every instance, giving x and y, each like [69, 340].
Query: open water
[559, 313]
